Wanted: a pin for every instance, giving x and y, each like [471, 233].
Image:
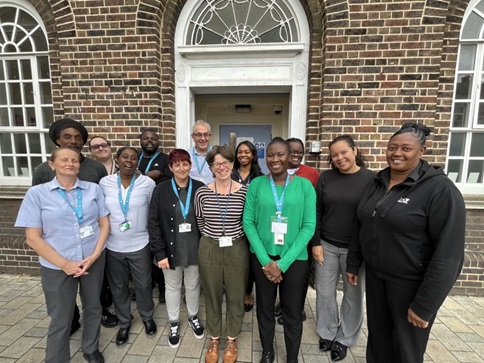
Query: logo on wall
[261, 150]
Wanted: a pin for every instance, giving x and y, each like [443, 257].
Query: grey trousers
[343, 326]
[173, 283]
[119, 265]
[60, 291]
[224, 270]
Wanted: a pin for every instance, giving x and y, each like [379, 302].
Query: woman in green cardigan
[279, 221]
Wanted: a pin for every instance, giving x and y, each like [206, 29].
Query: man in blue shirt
[201, 136]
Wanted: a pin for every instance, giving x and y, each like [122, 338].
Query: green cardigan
[299, 207]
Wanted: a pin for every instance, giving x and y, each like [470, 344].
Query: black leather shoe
[267, 357]
[277, 310]
[108, 320]
[304, 316]
[122, 337]
[324, 344]
[75, 326]
[150, 327]
[338, 351]
[162, 299]
[280, 320]
[95, 357]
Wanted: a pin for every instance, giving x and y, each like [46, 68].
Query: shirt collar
[54, 184]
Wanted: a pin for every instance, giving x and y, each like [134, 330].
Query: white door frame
[246, 68]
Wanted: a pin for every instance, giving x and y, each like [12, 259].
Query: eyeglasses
[205, 135]
[225, 164]
[294, 152]
[96, 147]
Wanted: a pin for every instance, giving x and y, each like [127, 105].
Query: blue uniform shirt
[43, 207]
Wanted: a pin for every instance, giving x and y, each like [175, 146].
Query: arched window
[465, 161]
[25, 93]
[242, 22]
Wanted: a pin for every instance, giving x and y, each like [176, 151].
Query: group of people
[209, 218]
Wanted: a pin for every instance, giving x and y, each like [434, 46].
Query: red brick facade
[374, 64]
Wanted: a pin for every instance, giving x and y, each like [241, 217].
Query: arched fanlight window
[26, 109]
[242, 22]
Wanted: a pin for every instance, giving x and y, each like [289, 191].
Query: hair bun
[419, 127]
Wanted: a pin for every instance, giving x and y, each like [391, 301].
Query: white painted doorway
[234, 118]
[275, 64]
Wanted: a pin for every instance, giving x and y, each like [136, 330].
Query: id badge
[225, 241]
[279, 239]
[184, 228]
[86, 231]
[125, 225]
[279, 224]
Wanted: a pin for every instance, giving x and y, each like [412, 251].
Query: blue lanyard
[277, 200]
[195, 158]
[78, 207]
[224, 215]
[184, 208]
[125, 205]
[150, 162]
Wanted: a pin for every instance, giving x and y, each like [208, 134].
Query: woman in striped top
[223, 254]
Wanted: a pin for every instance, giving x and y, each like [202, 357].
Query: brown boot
[212, 351]
[230, 353]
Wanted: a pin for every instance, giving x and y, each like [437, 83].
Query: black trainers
[196, 326]
[174, 337]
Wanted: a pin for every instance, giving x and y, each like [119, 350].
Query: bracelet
[279, 267]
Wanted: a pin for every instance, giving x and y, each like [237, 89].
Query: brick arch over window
[62, 25]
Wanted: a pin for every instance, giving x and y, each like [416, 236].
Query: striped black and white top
[209, 215]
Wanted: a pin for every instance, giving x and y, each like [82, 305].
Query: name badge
[279, 224]
[125, 225]
[184, 228]
[225, 241]
[279, 239]
[86, 231]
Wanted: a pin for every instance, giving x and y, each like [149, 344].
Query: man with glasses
[100, 150]
[201, 135]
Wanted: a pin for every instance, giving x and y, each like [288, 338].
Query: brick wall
[373, 65]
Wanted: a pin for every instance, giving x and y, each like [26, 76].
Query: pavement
[457, 335]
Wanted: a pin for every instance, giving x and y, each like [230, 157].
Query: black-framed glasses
[98, 146]
[199, 135]
[294, 152]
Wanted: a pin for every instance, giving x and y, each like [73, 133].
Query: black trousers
[391, 338]
[291, 292]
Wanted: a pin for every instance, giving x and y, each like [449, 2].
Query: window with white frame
[25, 93]
[242, 22]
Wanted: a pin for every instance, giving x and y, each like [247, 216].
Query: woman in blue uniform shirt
[67, 224]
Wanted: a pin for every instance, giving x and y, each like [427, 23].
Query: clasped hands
[78, 269]
[272, 272]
